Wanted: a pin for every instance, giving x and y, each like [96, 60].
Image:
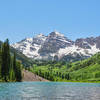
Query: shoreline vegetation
[36, 78]
[12, 70]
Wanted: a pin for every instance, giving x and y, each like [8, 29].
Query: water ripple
[49, 91]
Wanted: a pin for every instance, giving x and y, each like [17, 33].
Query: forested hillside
[10, 68]
[85, 70]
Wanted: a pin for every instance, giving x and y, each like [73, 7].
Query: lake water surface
[49, 91]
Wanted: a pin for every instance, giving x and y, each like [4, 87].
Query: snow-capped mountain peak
[57, 46]
[40, 35]
[29, 39]
[55, 33]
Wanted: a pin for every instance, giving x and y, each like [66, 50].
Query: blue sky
[74, 18]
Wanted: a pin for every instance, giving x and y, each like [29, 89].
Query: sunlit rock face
[56, 46]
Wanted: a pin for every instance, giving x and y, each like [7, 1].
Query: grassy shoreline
[73, 81]
[80, 81]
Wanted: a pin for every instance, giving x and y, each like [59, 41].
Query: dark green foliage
[0, 61]
[10, 69]
[69, 65]
[11, 72]
[18, 71]
[97, 75]
[5, 66]
[67, 76]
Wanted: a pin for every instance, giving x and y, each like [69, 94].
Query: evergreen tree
[0, 61]
[18, 71]
[11, 72]
[14, 64]
[10, 69]
[5, 60]
[17, 68]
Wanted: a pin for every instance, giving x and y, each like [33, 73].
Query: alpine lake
[49, 91]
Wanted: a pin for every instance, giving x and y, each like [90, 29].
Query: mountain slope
[56, 46]
[88, 69]
[30, 46]
[85, 70]
[29, 76]
[25, 60]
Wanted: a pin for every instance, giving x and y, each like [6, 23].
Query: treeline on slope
[10, 68]
[50, 70]
[85, 70]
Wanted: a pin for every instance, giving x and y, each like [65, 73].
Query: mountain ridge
[56, 46]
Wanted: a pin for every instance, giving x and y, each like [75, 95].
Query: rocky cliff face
[56, 46]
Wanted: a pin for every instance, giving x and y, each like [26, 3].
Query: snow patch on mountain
[75, 49]
[41, 36]
[56, 44]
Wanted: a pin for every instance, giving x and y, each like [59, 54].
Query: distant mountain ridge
[56, 46]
